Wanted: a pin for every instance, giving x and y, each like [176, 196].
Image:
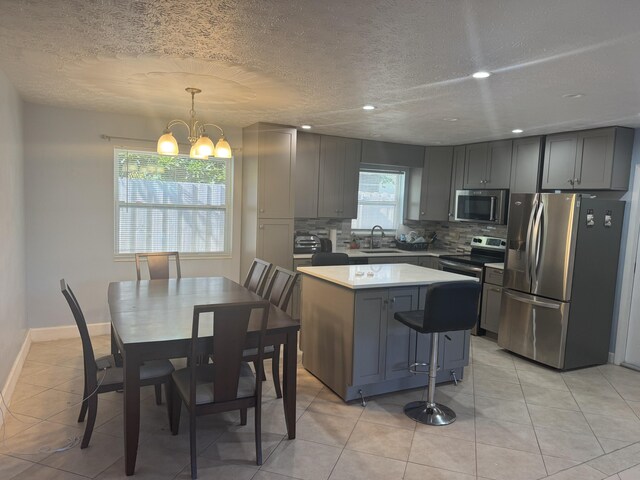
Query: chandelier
[201, 145]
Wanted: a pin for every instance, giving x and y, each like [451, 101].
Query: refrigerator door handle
[535, 303]
[537, 243]
[528, 241]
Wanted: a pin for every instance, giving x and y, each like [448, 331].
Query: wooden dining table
[152, 320]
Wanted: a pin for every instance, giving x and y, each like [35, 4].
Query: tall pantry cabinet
[268, 163]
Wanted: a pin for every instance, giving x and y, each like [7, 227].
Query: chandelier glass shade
[201, 144]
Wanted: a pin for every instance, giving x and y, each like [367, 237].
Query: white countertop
[396, 253]
[382, 275]
[495, 265]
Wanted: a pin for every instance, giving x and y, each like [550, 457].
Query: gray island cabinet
[350, 340]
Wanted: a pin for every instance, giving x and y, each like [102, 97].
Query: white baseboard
[47, 334]
[42, 335]
[14, 375]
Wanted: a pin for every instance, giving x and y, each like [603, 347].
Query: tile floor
[516, 420]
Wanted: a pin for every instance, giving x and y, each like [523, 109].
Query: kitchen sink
[379, 250]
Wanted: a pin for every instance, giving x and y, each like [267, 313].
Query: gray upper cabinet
[560, 161]
[488, 165]
[398, 154]
[429, 186]
[597, 159]
[436, 183]
[338, 177]
[306, 175]
[276, 162]
[526, 160]
[457, 177]
[268, 165]
[475, 165]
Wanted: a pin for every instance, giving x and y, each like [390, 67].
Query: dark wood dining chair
[158, 264]
[154, 372]
[257, 276]
[228, 383]
[278, 293]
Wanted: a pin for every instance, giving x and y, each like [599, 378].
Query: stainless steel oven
[462, 269]
[483, 250]
[481, 206]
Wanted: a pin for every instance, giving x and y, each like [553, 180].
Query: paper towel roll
[333, 236]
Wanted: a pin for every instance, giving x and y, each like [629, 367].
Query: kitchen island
[350, 340]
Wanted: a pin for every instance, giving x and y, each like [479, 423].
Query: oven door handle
[460, 266]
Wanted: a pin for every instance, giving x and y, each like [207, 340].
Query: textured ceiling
[318, 62]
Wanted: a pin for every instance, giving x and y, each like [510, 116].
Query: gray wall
[13, 320]
[635, 160]
[69, 176]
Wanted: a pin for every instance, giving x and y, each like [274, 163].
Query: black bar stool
[326, 259]
[449, 306]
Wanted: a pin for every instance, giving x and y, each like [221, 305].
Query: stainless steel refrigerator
[560, 278]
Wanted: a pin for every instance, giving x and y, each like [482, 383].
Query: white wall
[13, 319]
[69, 177]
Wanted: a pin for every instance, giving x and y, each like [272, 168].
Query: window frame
[228, 207]
[368, 167]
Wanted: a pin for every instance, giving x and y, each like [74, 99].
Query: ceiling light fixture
[573, 95]
[450, 119]
[481, 74]
[517, 130]
[306, 127]
[201, 145]
[368, 107]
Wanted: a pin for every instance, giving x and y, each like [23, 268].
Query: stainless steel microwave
[482, 206]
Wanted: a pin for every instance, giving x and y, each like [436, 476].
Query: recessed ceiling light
[368, 107]
[481, 74]
[517, 130]
[573, 95]
[450, 119]
[306, 127]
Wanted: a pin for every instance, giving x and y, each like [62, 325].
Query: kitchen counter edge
[356, 253]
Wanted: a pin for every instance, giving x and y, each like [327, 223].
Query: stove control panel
[491, 243]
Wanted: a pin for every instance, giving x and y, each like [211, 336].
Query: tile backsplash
[454, 236]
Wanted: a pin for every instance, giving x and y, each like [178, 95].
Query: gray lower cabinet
[401, 259]
[598, 159]
[491, 297]
[274, 241]
[429, 262]
[384, 348]
[398, 348]
[381, 349]
[295, 295]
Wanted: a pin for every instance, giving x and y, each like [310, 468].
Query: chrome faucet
[381, 231]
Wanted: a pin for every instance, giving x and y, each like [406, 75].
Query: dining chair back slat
[257, 276]
[88, 355]
[280, 287]
[227, 384]
[158, 264]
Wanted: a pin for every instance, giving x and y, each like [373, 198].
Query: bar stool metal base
[430, 413]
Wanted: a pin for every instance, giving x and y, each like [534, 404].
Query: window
[380, 199]
[172, 203]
